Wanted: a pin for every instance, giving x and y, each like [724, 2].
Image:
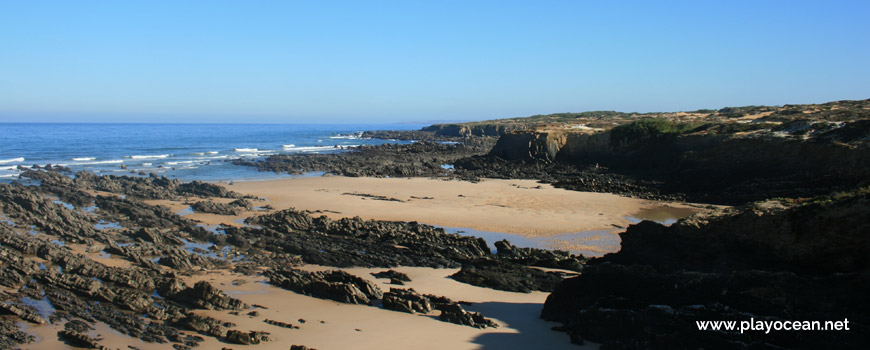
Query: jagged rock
[507, 276]
[280, 324]
[11, 335]
[28, 208]
[242, 203]
[334, 285]
[25, 312]
[539, 257]
[249, 338]
[202, 324]
[455, 314]
[204, 295]
[77, 326]
[300, 347]
[79, 339]
[417, 159]
[357, 242]
[392, 274]
[215, 208]
[406, 300]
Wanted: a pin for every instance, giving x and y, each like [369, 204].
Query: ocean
[184, 151]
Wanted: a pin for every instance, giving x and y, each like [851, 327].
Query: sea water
[184, 151]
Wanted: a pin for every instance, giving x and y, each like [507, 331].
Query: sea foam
[12, 160]
[149, 156]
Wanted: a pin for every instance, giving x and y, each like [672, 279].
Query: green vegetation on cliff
[651, 127]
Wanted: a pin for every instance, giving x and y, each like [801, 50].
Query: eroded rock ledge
[773, 260]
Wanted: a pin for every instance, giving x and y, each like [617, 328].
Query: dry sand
[522, 207]
[362, 327]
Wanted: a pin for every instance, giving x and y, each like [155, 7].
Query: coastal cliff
[765, 161]
[467, 130]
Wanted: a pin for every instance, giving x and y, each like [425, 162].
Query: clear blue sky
[362, 61]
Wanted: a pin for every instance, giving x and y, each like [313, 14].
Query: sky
[398, 61]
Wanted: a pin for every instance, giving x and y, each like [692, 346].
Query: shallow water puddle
[594, 243]
[587, 243]
[664, 215]
[43, 306]
[185, 211]
[103, 225]
[65, 204]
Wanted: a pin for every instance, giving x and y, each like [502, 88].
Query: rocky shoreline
[793, 247]
[54, 250]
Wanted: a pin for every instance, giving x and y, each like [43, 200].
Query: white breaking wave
[212, 152]
[180, 162]
[288, 146]
[318, 148]
[13, 160]
[356, 136]
[150, 156]
[240, 150]
[83, 159]
[114, 161]
[146, 164]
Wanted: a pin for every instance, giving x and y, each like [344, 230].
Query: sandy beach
[522, 207]
[347, 326]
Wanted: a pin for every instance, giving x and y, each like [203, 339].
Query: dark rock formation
[417, 159]
[357, 242]
[79, 339]
[468, 130]
[202, 324]
[300, 347]
[454, 313]
[406, 300]
[280, 324]
[215, 208]
[392, 274]
[507, 276]
[203, 295]
[773, 261]
[11, 335]
[249, 338]
[727, 163]
[334, 285]
[556, 259]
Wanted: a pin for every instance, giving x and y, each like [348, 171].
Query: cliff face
[729, 168]
[466, 130]
[769, 260]
[530, 146]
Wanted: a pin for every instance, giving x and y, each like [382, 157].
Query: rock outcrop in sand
[773, 260]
